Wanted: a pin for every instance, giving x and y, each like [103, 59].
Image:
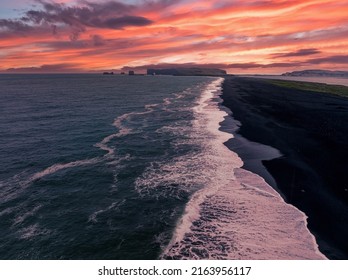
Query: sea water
[132, 167]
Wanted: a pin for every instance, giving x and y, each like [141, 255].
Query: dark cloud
[120, 22]
[301, 52]
[338, 59]
[243, 65]
[109, 7]
[281, 65]
[258, 65]
[98, 40]
[66, 45]
[106, 15]
[95, 45]
[52, 68]
[112, 14]
[14, 25]
[173, 65]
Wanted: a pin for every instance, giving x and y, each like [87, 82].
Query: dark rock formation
[187, 72]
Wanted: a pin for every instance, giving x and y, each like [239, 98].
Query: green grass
[316, 87]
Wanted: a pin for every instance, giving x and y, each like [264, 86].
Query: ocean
[133, 167]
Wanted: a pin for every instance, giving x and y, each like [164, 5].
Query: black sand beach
[310, 130]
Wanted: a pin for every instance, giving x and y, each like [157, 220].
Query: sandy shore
[310, 130]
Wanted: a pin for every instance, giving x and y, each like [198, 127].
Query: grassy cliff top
[317, 87]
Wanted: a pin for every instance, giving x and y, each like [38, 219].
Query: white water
[57, 167]
[103, 145]
[114, 207]
[236, 215]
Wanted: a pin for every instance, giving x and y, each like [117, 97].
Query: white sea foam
[23, 216]
[115, 206]
[32, 231]
[236, 215]
[184, 173]
[7, 211]
[120, 123]
[151, 106]
[167, 101]
[123, 129]
[57, 167]
[14, 185]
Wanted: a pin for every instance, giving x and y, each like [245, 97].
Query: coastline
[308, 129]
[235, 215]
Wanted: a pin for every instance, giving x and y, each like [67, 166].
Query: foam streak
[236, 215]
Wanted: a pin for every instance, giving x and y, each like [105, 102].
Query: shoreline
[252, 153]
[235, 215]
[308, 129]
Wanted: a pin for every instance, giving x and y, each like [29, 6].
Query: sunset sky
[266, 36]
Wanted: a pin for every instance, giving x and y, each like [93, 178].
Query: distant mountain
[187, 72]
[317, 73]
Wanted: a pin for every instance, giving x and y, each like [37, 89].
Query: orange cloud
[271, 36]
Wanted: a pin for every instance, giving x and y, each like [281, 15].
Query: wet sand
[310, 130]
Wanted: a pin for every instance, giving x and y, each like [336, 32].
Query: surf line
[236, 215]
[103, 145]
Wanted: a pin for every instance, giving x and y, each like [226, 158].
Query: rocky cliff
[187, 72]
